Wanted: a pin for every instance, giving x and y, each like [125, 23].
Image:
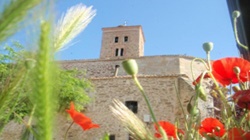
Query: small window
[116, 39]
[111, 137]
[116, 52]
[132, 105]
[126, 39]
[121, 52]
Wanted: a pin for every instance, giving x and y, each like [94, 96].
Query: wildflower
[169, 128]
[242, 98]
[80, 118]
[223, 70]
[238, 134]
[212, 127]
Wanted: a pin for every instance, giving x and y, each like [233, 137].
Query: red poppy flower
[238, 134]
[223, 70]
[242, 98]
[199, 78]
[80, 118]
[169, 129]
[212, 127]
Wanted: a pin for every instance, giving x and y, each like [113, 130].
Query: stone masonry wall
[161, 93]
[150, 65]
[185, 67]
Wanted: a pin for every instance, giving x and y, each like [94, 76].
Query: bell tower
[122, 42]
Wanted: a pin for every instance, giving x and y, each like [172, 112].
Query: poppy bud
[236, 70]
[192, 109]
[201, 93]
[236, 88]
[208, 46]
[30, 63]
[236, 14]
[130, 66]
[217, 129]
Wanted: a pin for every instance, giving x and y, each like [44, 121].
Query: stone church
[159, 76]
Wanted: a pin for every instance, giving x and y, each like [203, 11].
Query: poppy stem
[149, 107]
[190, 134]
[228, 112]
[66, 133]
[197, 59]
[236, 34]
[208, 61]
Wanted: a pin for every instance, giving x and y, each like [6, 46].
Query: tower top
[125, 23]
[122, 42]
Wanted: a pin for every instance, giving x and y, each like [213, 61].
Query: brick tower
[122, 42]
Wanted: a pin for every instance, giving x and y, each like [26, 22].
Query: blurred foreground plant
[30, 85]
[132, 123]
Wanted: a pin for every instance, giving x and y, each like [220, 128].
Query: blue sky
[170, 27]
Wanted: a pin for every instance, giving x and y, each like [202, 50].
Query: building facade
[162, 77]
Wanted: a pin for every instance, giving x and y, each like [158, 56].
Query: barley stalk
[131, 122]
[69, 26]
[13, 14]
[43, 96]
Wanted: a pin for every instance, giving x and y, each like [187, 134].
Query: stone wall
[149, 65]
[161, 93]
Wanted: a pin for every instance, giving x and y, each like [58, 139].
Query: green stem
[208, 61]
[19, 117]
[31, 115]
[222, 96]
[149, 107]
[236, 35]
[189, 135]
[66, 133]
[203, 62]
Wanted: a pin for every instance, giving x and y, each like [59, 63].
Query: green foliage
[69, 86]
[73, 89]
[106, 136]
[12, 77]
